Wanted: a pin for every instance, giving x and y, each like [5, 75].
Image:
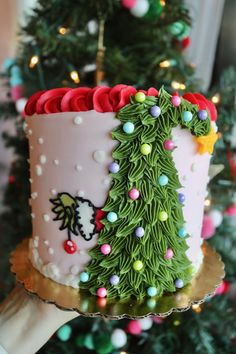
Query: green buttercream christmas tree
[141, 249]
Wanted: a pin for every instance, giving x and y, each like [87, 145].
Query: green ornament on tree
[102, 344]
[155, 10]
[179, 29]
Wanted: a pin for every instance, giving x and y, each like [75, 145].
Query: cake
[118, 181]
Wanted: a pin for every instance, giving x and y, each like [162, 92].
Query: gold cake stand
[203, 285]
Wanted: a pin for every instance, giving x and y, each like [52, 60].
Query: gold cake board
[203, 285]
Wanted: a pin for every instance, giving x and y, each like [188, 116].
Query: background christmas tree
[62, 45]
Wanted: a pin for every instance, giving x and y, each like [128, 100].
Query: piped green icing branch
[141, 249]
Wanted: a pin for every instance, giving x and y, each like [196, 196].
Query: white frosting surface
[83, 149]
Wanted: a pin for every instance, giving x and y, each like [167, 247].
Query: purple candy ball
[155, 111]
[139, 231]
[114, 167]
[114, 280]
[202, 114]
[181, 197]
[179, 283]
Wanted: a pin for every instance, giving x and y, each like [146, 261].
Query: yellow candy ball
[138, 265]
[140, 97]
[163, 216]
[145, 149]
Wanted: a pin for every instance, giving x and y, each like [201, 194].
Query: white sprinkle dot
[81, 193]
[32, 215]
[25, 125]
[99, 156]
[42, 159]
[38, 170]
[30, 180]
[78, 120]
[185, 178]
[53, 191]
[50, 250]
[107, 181]
[40, 141]
[82, 252]
[30, 201]
[78, 168]
[36, 237]
[30, 132]
[46, 242]
[34, 195]
[46, 217]
[56, 162]
[193, 167]
[74, 269]
[31, 147]
[36, 243]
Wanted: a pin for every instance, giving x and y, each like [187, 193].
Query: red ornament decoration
[129, 4]
[134, 327]
[70, 246]
[223, 288]
[11, 179]
[100, 214]
[231, 210]
[186, 42]
[231, 157]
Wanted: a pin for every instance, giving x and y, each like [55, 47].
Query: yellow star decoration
[206, 143]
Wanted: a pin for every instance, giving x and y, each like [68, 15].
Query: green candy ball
[163, 216]
[140, 97]
[138, 265]
[145, 149]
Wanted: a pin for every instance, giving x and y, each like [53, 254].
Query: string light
[75, 76]
[176, 323]
[63, 30]
[196, 308]
[162, 2]
[123, 353]
[216, 98]
[33, 61]
[207, 202]
[177, 85]
[164, 64]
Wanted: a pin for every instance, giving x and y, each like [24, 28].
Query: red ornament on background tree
[129, 4]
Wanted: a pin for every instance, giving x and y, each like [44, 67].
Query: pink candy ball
[129, 4]
[169, 144]
[176, 100]
[134, 327]
[105, 249]
[134, 194]
[169, 253]
[102, 292]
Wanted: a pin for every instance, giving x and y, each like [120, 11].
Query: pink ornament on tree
[208, 228]
[16, 92]
[134, 327]
[223, 288]
[231, 210]
[129, 4]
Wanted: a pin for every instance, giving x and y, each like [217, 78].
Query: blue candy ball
[139, 231]
[202, 114]
[187, 116]
[64, 333]
[128, 127]
[179, 283]
[155, 111]
[114, 280]
[181, 197]
[84, 277]
[152, 291]
[182, 232]
[163, 180]
[111, 216]
[114, 167]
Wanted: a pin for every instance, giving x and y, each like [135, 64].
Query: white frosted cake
[118, 182]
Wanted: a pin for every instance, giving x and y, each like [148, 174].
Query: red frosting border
[100, 99]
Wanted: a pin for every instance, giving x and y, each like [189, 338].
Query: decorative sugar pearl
[114, 167]
[169, 144]
[187, 116]
[155, 111]
[181, 197]
[56, 162]
[114, 280]
[50, 250]
[176, 100]
[140, 97]
[46, 217]
[139, 231]
[179, 283]
[74, 269]
[105, 249]
[182, 232]
[111, 216]
[163, 180]
[53, 191]
[138, 265]
[152, 291]
[78, 120]
[84, 277]
[40, 141]
[163, 216]
[169, 253]
[42, 159]
[99, 156]
[38, 170]
[134, 194]
[145, 149]
[202, 114]
[102, 292]
[128, 128]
